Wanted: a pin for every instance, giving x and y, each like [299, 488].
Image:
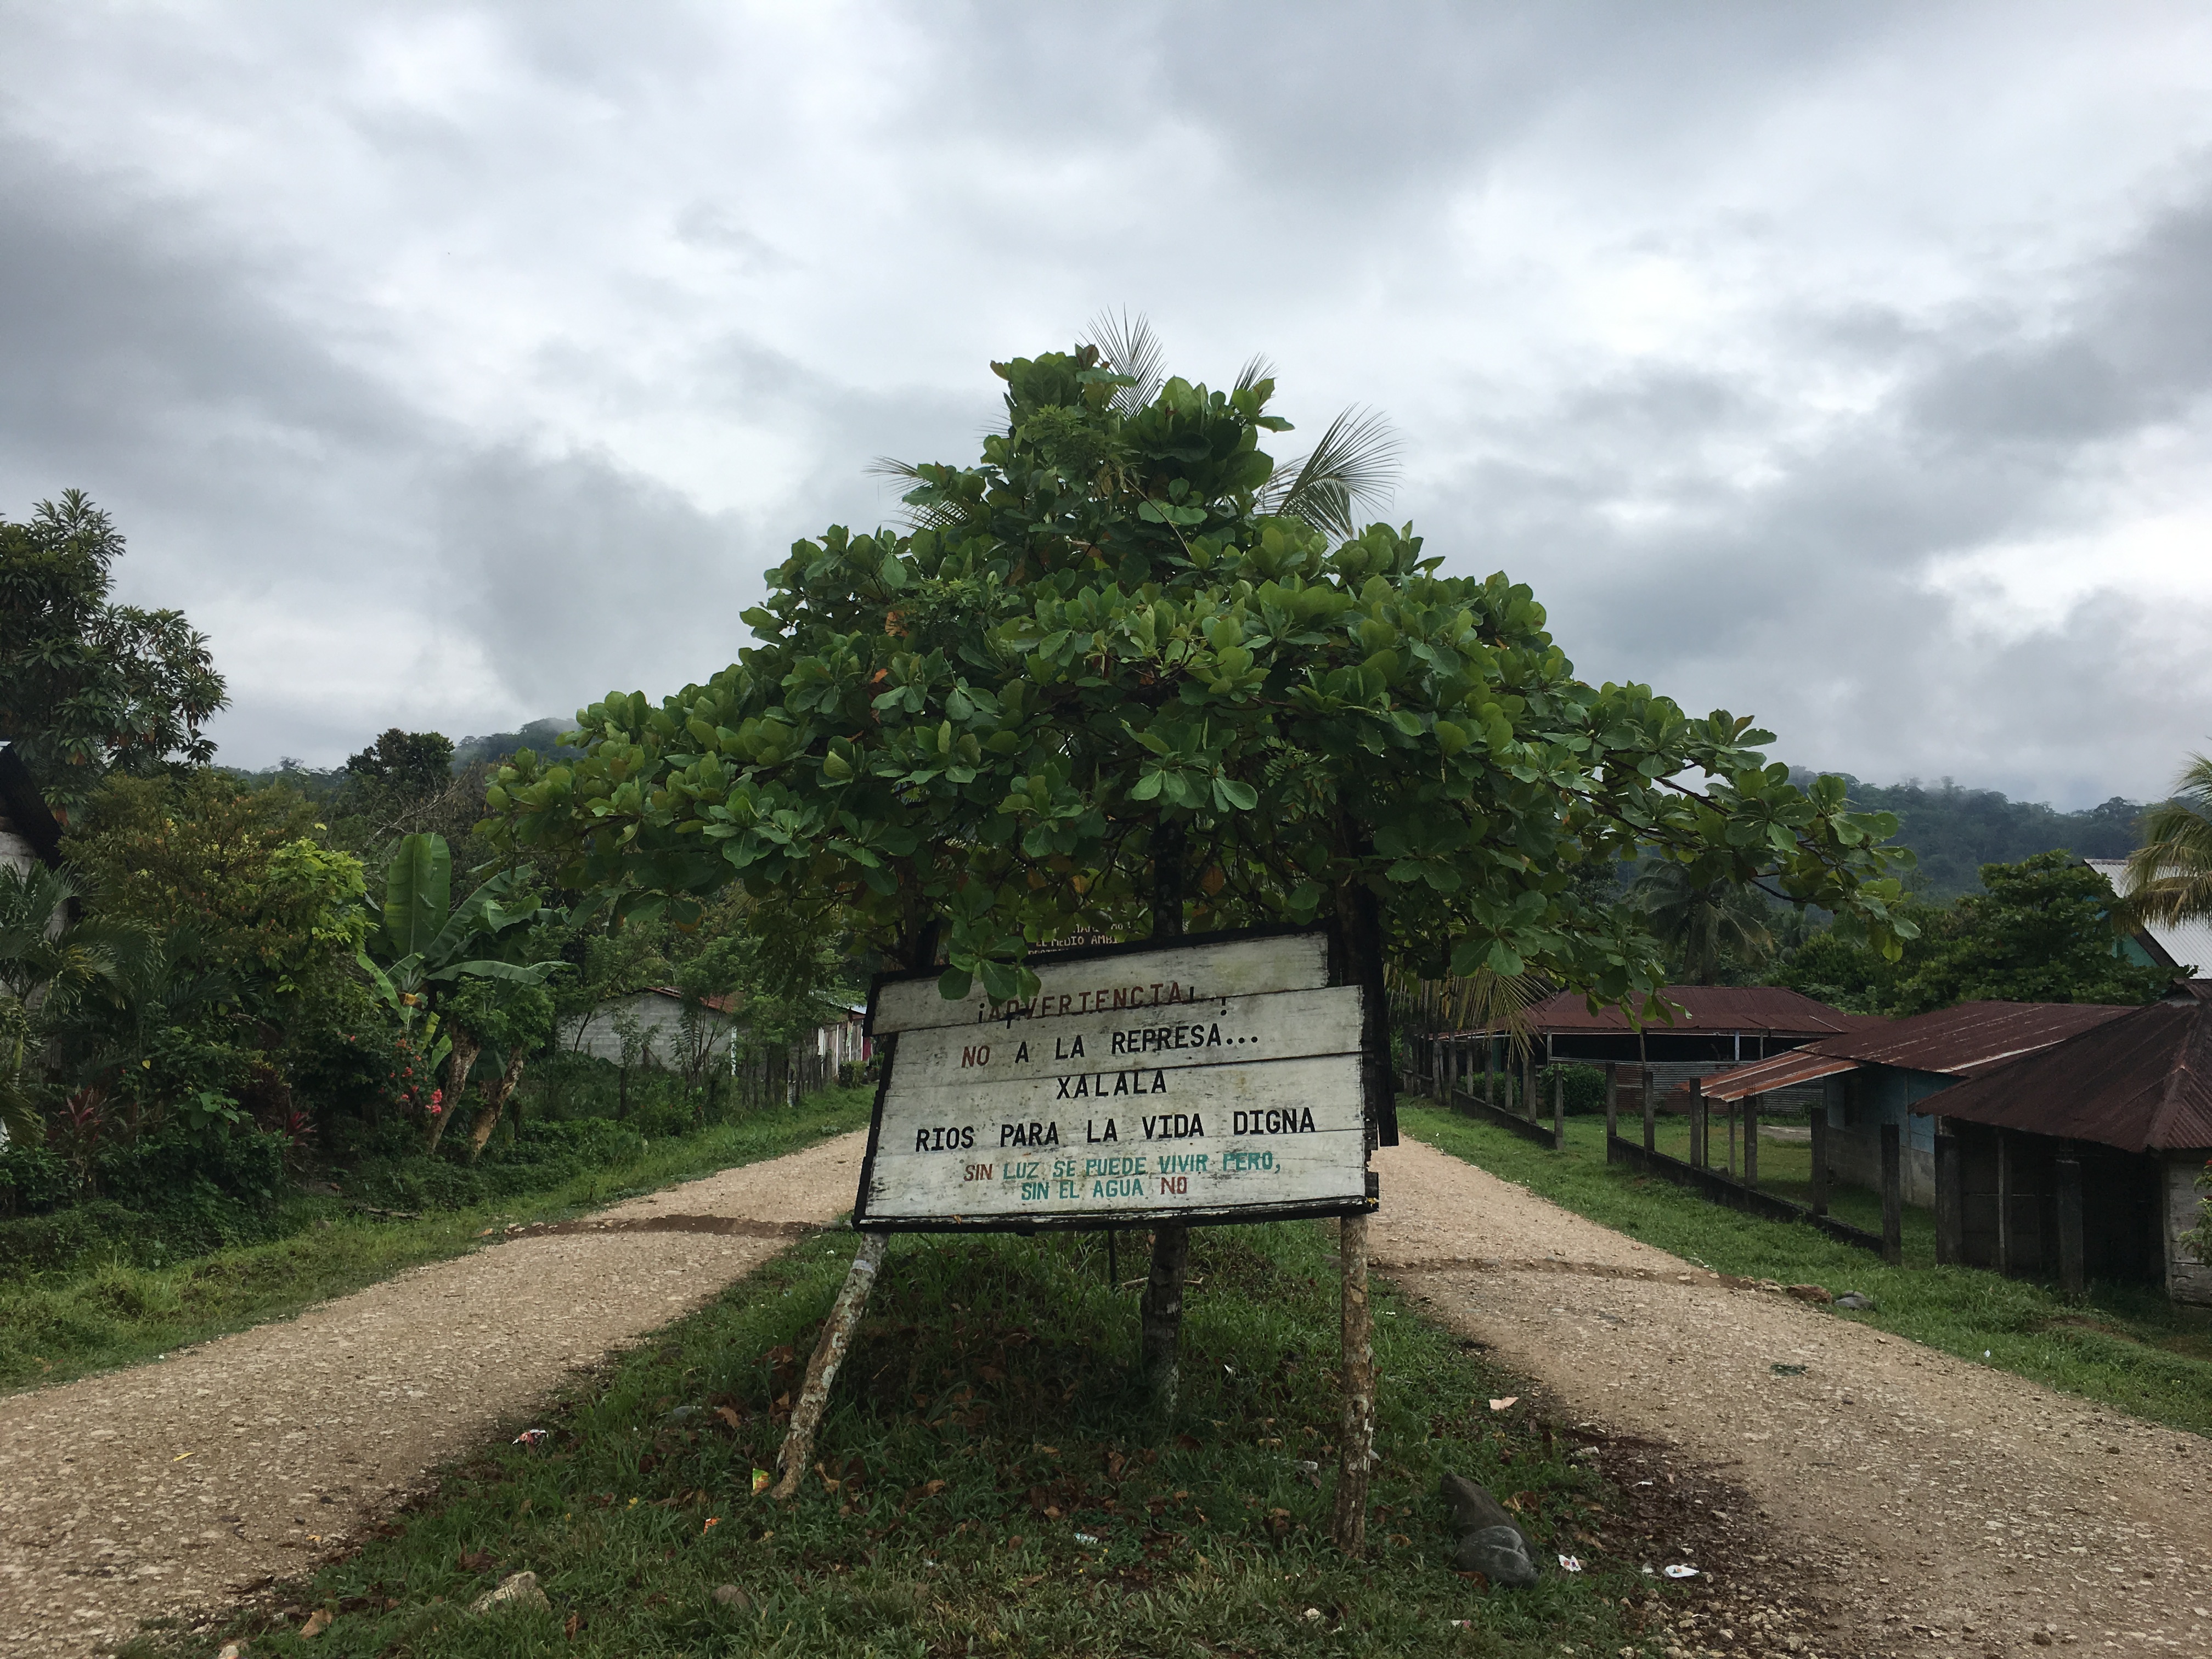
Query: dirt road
[151, 1490]
[1960, 1509]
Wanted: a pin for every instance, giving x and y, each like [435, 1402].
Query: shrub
[34, 1179]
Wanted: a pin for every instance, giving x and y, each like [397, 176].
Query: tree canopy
[88, 686]
[2046, 929]
[1125, 619]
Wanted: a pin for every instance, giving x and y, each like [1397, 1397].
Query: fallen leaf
[1511, 1400]
[729, 1416]
[932, 1489]
[762, 1481]
[318, 1622]
[571, 1624]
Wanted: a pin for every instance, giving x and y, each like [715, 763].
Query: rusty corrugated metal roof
[1960, 1042]
[1970, 1038]
[1772, 1010]
[1782, 1072]
[2140, 1082]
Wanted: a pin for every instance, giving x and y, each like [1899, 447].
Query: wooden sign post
[1211, 1079]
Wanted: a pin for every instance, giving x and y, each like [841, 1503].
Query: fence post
[1893, 1197]
[1528, 1083]
[1650, 1107]
[2004, 1202]
[1489, 1070]
[2071, 1272]
[1699, 1121]
[1356, 1459]
[1751, 1140]
[1820, 1123]
[1950, 1200]
[1611, 1100]
[1558, 1109]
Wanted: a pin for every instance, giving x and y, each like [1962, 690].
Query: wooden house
[1879, 1071]
[2082, 1160]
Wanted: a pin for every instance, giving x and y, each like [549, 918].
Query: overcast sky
[1846, 365]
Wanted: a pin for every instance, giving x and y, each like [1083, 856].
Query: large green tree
[1125, 639]
[88, 686]
[2046, 929]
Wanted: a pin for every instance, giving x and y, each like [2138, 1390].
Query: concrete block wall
[2187, 1278]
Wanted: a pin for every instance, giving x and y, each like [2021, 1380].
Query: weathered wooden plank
[1157, 981]
[1264, 1133]
[1272, 1025]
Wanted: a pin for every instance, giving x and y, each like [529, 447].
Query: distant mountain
[543, 736]
[1954, 830]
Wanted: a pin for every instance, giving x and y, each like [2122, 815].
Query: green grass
[100, 1314]
[2122, 1346]
[1000, 1489]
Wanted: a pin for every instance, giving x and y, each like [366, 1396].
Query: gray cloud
[452, 365]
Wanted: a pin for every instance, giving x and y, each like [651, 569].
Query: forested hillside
[1955, 831]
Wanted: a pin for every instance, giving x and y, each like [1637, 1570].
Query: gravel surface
[1922, 1505]
[164, 1488]
[1946, 1507]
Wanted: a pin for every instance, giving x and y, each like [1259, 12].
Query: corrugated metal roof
[2142, 1082]
[2187, 943]
[1783, 1071]
[1971, 1038]
[1770, 1009]
[1959, 1042]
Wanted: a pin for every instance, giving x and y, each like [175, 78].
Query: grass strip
[2122, 1346]
[69, 1322]
[992, 1483]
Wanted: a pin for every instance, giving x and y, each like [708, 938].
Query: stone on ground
[517, 1590]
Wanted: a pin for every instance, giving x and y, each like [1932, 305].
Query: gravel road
[156, 1490]
[1956, 1508]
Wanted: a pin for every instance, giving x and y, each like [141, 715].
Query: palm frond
[917, 515]
[1256, 368]
[2170, 876]
[1352, 469]
[1128, 346]
[1481, 1001]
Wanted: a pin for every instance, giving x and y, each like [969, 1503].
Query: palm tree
[1702, 921]
[2170, 875]
[1350, 470]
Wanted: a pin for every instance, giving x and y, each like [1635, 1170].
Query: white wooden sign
[1208, 1079]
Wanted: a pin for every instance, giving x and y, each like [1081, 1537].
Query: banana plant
[424, 939]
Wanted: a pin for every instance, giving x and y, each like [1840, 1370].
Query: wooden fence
[1443, 1071]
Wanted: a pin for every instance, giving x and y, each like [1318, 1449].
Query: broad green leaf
[418, 888]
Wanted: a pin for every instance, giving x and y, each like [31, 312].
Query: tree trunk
[487, 1118]
[465, 1050]
[1160, 1319]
